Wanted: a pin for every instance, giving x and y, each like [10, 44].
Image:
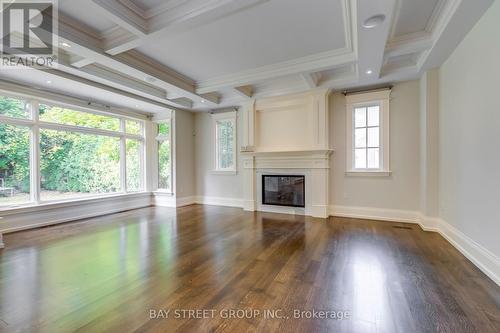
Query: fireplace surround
[287, 136]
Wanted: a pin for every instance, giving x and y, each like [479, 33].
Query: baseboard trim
[218, 201]
[378, 214]
[170, 200]
[482, 258]
[61, 214]
[185, 201]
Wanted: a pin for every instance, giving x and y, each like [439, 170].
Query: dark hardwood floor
[112, 273]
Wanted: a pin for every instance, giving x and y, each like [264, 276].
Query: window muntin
[367, 137]
[60, 115]
[14, 165]
[14, 107]
[78, 141]
[164, 155]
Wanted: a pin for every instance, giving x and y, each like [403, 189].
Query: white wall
[429, 144]
[209, 184]
[469, 172]
[400, 191]
[185, 185]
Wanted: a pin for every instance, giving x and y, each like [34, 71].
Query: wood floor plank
[107, 274]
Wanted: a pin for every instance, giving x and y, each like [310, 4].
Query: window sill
[368, 173]
[164, 193]
[30, 207]
[224, 172]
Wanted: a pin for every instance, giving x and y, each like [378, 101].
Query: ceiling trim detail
[109, 59]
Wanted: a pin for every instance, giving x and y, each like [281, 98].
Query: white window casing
[379, 98]
[216, 119]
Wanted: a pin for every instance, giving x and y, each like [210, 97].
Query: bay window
[51, 152]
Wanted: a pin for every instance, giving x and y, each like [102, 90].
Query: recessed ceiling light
[374, 21]
[369, 71]
[65, 44]
[203, 101]
[49, 82]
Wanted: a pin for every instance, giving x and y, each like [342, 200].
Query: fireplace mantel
[288, 135]
[307, 159]
[313, 164]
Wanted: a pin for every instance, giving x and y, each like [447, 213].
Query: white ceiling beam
[131, 64]
[244, 91]
[372, 42]
[185, 102]
[212, 97]
[178, 18]
[311, 63]
[311, 79]
[107, 77]
[105, 87]
[80, 62]
[394, 49]
[123, 16]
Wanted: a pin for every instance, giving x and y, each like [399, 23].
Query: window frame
[159, 138]
[230, 116]
[34, 124]
[379, 98]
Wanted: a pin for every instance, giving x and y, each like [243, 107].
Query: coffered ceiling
[209, 54]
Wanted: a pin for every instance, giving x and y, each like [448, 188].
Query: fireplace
[283, 190]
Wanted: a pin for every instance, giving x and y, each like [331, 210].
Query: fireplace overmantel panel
[287, 123]
[290, 135]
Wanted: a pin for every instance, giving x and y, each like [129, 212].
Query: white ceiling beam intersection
[311, 79]
[123, 16]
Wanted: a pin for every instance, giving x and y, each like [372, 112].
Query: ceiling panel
[85, 12]
[272, 32]
[413, 16]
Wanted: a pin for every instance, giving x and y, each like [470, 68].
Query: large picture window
[14, 164]
[55, 153]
